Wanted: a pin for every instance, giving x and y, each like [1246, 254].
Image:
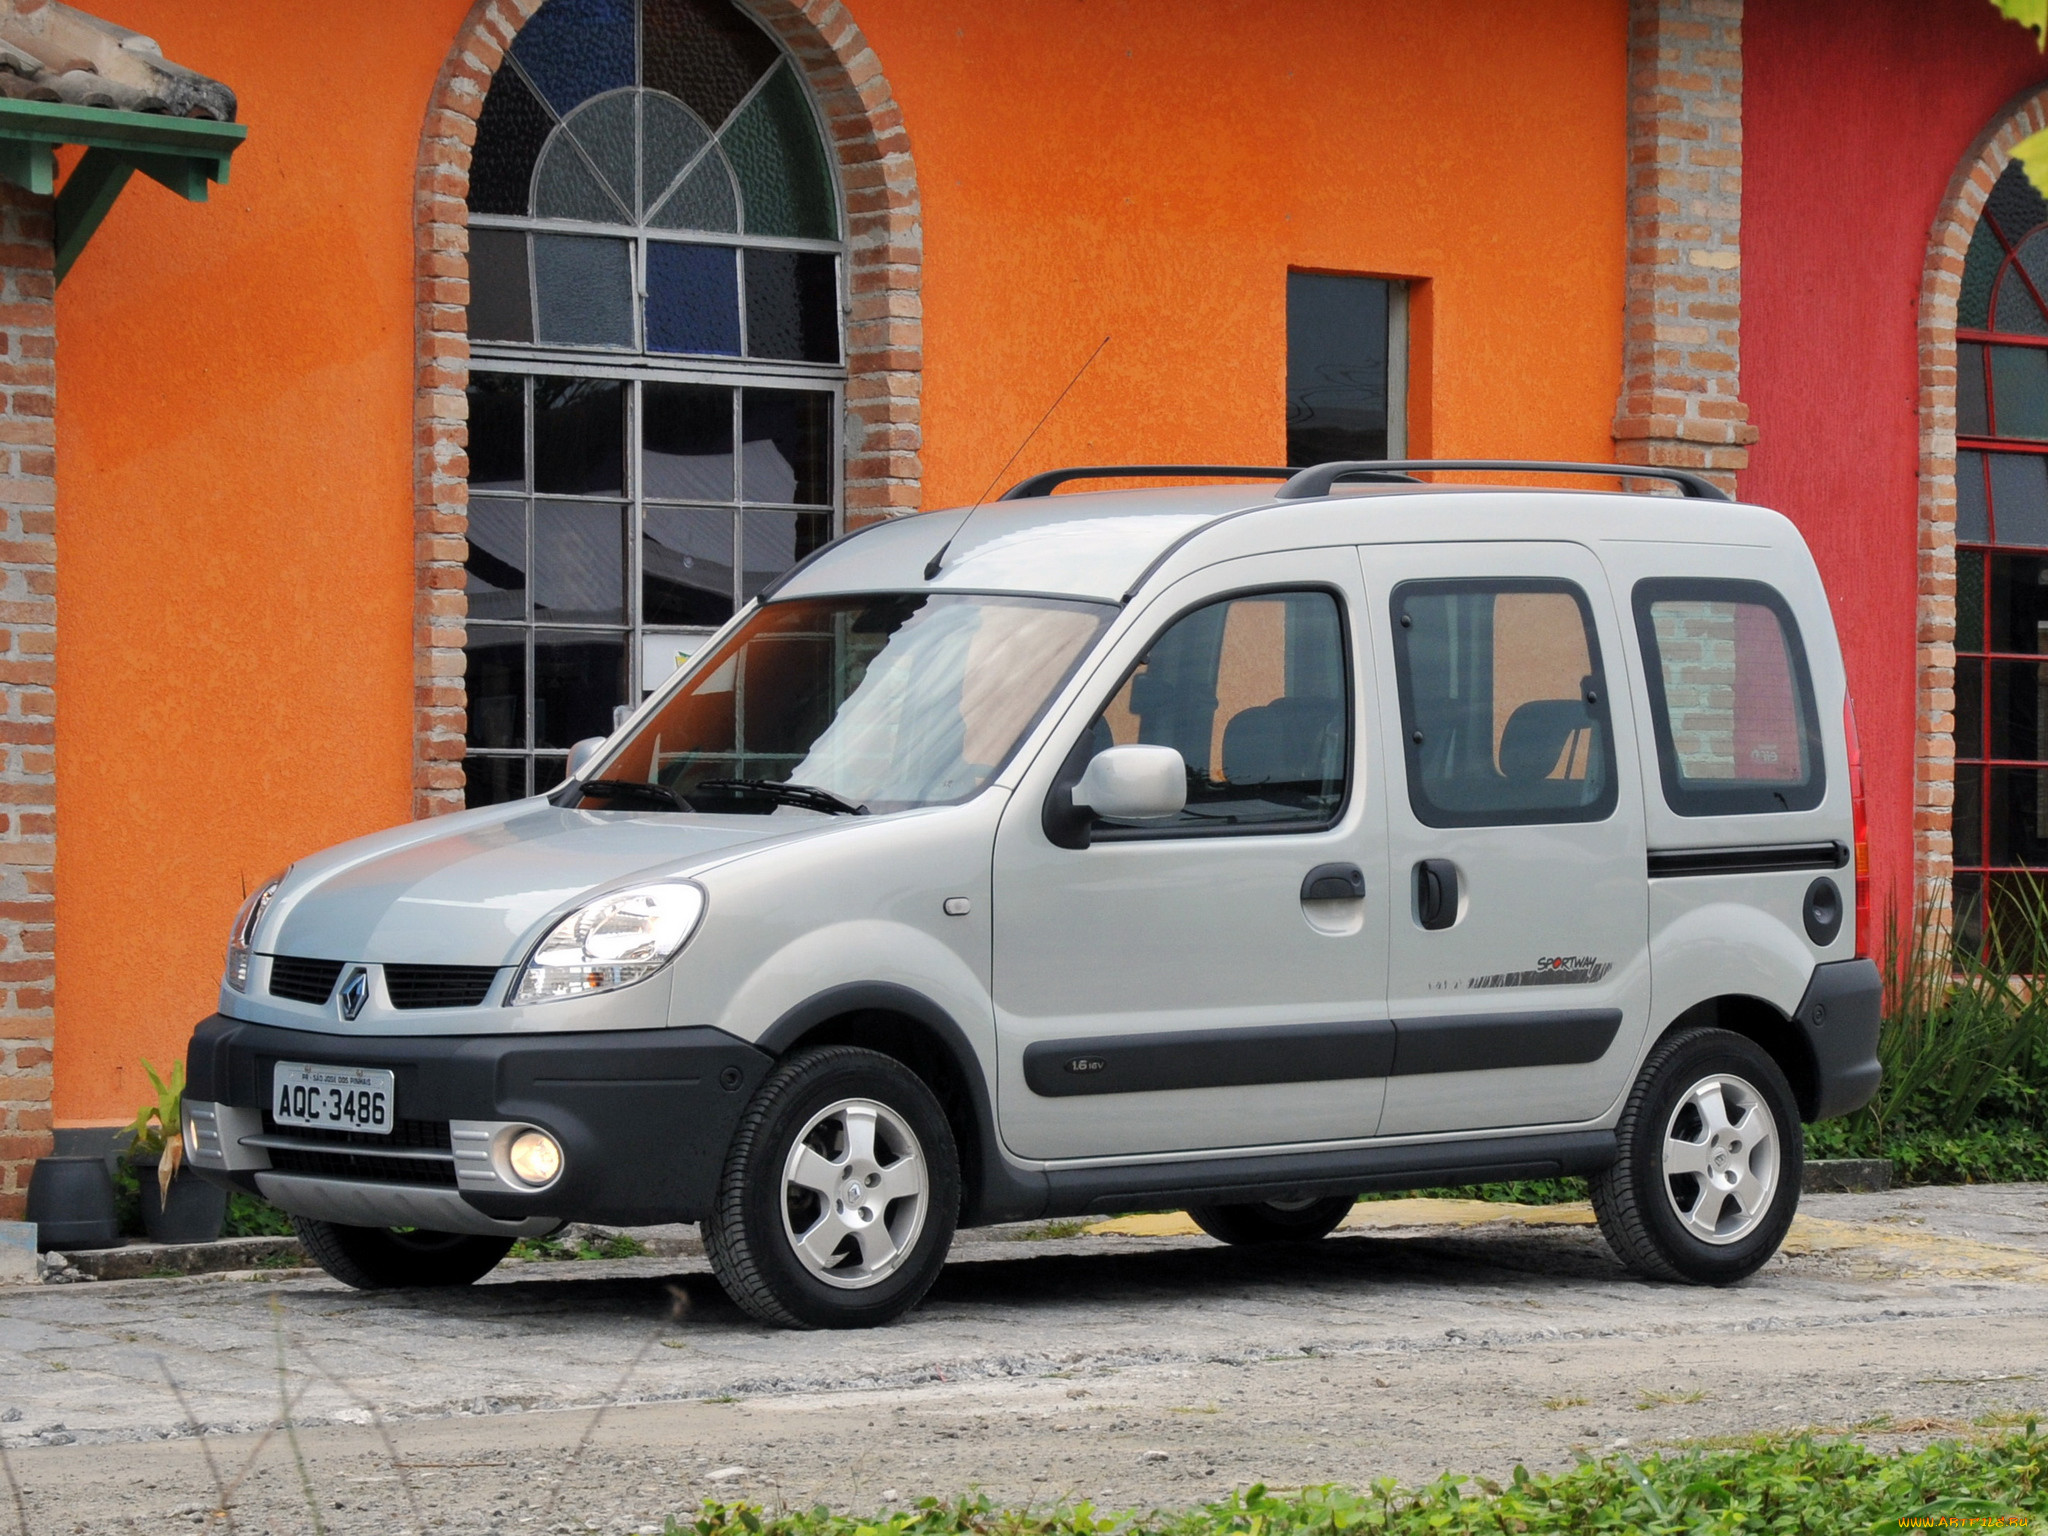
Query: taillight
[1860, 821]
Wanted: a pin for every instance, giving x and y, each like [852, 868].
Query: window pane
[686, 442]
[2017, 313]
[1967, 825]
[786, 446]
[2019, 689]
[579, 563]
[579, 437]
[793, 306]
[705, 200]
[1501, 684]
[577, 678]
[509, 133]
[1336, 368]
[693, 298]
[1251, 693]
[2018, 816]
[1736, 726]
[772, 542]
[493, 780]
[495, 573]
[1969, 707]
[497, 432]
[1980, 271]
[500, 287]
[1969, 600]
[2019, 603]
[708, 55]
[585, 286]
[670, 137]
[686, 565]
[549, 770]
[567, 186]
[774, 147]
[2019, 391]
[1973, 520]
[573, 49]
[605, 129]
[497, 686]
[1972, 419]
[2019, 497]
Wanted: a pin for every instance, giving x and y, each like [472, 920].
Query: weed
[1668, 1399]
[1046, 1231]
[607, 1245]
[1557, 1404]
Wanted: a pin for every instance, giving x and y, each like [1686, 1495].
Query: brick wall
[1680, 400]
[28, 645]
[884, 334]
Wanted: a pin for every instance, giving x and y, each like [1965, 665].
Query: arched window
[656, 361]
[2001, 736]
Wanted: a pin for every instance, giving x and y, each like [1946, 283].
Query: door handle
[1333, 882]
[1436, 893]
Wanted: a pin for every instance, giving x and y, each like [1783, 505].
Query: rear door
[1518, 973]
[1190, 984]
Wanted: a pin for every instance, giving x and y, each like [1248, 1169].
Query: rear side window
[1503, 704]
[1730, 698]
[1252, 693]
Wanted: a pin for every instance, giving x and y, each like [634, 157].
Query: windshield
[887, 701]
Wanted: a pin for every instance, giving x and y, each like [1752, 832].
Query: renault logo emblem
[355, 992]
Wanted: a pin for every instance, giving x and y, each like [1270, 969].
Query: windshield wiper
[659, 796]
[809, 796]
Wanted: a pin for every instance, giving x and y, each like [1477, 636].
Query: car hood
[472, 888]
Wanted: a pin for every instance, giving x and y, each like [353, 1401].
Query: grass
[1804, 1485]
[615, 1245]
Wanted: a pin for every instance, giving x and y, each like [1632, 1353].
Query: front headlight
[612, 943]
[243, 933]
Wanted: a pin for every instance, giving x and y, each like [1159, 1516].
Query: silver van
[1220, 846]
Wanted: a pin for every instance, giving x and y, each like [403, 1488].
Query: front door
[1519, 978]
[1216, 980]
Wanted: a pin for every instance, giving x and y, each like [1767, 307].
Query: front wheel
[384, 1258]
[839, 1195]
[1273, 1221]
[1711, 1157]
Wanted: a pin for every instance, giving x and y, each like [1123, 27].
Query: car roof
[1102, 545]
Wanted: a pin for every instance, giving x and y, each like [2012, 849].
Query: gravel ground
[1133, 1367]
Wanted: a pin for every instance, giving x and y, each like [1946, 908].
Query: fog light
[535, 1158]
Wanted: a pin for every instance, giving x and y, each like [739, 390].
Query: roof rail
[1322, 479]
[1043, 484]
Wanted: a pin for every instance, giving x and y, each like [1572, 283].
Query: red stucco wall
[1855, 116]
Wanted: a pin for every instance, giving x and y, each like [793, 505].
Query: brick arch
[1940, 288]
[878, 191]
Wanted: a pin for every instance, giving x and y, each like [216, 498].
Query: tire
[383, 1258]
[1718, 1092]
[1273, 1221]
[786, 1243]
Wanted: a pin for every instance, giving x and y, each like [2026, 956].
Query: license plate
[332, 1098]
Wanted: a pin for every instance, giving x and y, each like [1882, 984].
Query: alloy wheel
[1721, 1159]
[855, 1193]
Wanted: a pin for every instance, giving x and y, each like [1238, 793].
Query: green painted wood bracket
[182, 153]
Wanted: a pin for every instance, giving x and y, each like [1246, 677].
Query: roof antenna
[932, 566]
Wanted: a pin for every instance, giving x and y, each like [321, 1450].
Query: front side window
[1730, 699]
[1503, 705]
[657, 365]
[1252, 692]
[887, 701]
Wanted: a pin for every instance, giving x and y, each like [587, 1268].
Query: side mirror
[1135, 783]
[584, 753]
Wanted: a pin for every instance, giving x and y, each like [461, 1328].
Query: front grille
[303, 981]
[375, 1170]
[438, 986]
[413, 1135]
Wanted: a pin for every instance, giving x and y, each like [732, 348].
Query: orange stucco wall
[235, 379]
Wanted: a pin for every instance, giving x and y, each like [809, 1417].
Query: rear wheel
[1273, 1221]
[839, 1195]
[383, 1258]
[1711, 1160]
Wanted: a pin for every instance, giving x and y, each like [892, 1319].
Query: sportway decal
[1550, 971]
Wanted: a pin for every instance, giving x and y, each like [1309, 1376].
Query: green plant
[154, 1130]
[613, 1245]
[252, 1216]
[1812, 1486]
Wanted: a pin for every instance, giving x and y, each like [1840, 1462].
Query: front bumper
[644, 1118]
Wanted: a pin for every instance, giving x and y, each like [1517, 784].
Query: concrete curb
[144, 1261]
[1847, 1176]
